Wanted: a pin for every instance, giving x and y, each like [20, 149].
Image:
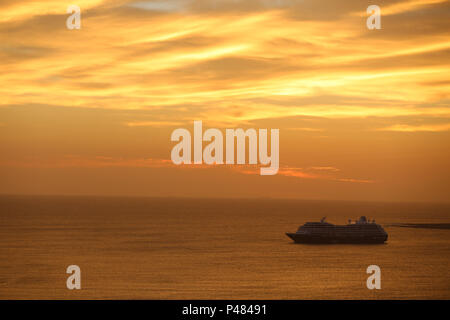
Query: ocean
[164, 248]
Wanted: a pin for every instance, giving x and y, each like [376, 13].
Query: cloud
[418, 128]
[20, 10]
[161, 5]
[332, 169]
[317, 173]
[153, 123]
[219, 65]
[355, 180]
[78, 161]
[306, 129]
[410, 5]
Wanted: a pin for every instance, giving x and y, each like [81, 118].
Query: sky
[363, 114]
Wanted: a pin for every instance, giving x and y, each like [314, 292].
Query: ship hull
[305, 238]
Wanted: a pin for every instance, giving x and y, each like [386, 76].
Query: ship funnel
[363, 219]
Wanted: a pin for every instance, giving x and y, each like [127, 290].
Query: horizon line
[265, 198]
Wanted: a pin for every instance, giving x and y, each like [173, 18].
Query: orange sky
[363, 114]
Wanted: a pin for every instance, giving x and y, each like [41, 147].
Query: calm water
[213, 249]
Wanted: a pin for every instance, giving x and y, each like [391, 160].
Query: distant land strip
[421, 225]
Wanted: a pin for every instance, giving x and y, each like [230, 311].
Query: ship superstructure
[362, 231]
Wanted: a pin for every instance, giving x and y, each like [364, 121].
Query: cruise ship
[362, 231]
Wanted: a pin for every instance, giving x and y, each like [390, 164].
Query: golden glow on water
[212, 249]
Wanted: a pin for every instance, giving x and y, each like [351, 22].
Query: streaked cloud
[306, 129]
[409, 5]
[153, 123]
[20, 10]
[317, 173]
[418, 128]
[79, 161]
[161, 5]
[199, 59]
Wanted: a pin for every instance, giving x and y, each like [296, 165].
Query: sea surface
[145, 248]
